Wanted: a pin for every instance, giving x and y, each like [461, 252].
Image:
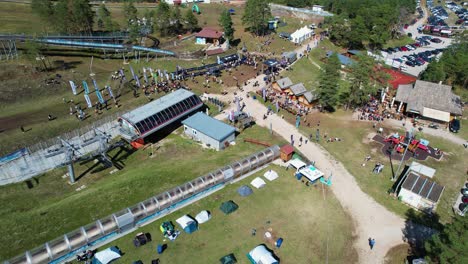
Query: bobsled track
[88, 42]
[127, 220]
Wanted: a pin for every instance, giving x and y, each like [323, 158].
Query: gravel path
[370, 218]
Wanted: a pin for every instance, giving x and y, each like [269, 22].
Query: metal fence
[39, 160]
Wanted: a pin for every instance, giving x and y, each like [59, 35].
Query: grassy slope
[304, 72]
[295, 212]
[53, 207]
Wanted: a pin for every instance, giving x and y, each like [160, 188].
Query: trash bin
[254, 97]
[279, 242]
[160, 249]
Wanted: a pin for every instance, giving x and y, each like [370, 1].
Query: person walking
[371, 243]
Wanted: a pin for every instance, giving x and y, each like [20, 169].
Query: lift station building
[143, 121]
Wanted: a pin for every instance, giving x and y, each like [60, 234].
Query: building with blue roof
[211, 132]
[343, 59]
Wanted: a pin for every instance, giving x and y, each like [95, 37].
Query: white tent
[271, 175]
[106, 256]
[258, 183]
[311, 173]
[424, 170]
[203, 217]
[301, 35]
[297, 164]
[188, 224]
[261, 255]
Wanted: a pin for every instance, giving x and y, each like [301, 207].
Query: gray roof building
[209, 126]
[298, 89]
[429, 99]
[284, 83]
[423, 187]
[310, 96]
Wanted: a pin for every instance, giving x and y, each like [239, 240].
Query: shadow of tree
[419, 227]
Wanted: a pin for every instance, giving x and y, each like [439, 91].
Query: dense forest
[362, 23]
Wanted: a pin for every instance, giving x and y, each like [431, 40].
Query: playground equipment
[127, 220]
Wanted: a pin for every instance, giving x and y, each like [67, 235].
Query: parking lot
[417, 69]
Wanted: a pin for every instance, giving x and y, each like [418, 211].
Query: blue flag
[98, 93]
[86, 88]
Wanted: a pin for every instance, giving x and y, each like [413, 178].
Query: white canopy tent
[421, 169]
[271, 175]
[301, 35]
[258, 183]
[261, 255]
[297, 164]
[311, 173]
[106, 256]
[203, 217]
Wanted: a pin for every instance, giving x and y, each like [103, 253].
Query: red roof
[398, 78]
[287, 149]
[209, 33]
[214, 51]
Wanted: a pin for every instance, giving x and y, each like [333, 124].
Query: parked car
[403, 48]
[436, 40]
[454, 126]
[410, 63]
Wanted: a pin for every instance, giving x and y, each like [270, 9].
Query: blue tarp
[343, 59]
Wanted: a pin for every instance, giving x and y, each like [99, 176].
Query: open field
[53, 207]
[18, 18]
[295, 212]
[304, 71]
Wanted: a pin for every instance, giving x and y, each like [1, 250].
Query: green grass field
[405, 40]
[53, 207]
[305, 217]
[304, 71]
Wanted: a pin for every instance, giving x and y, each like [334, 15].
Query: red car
[403, 48]
[417, 44]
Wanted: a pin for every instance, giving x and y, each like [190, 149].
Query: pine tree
[82, 16]
[451, 244]
[130, 12]
[329, 83]
[176, 20]
[225, 21]
[256, 16]
[361, 88]
[104, 16]
[162, 18]
[44, 9]
[191, 21]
